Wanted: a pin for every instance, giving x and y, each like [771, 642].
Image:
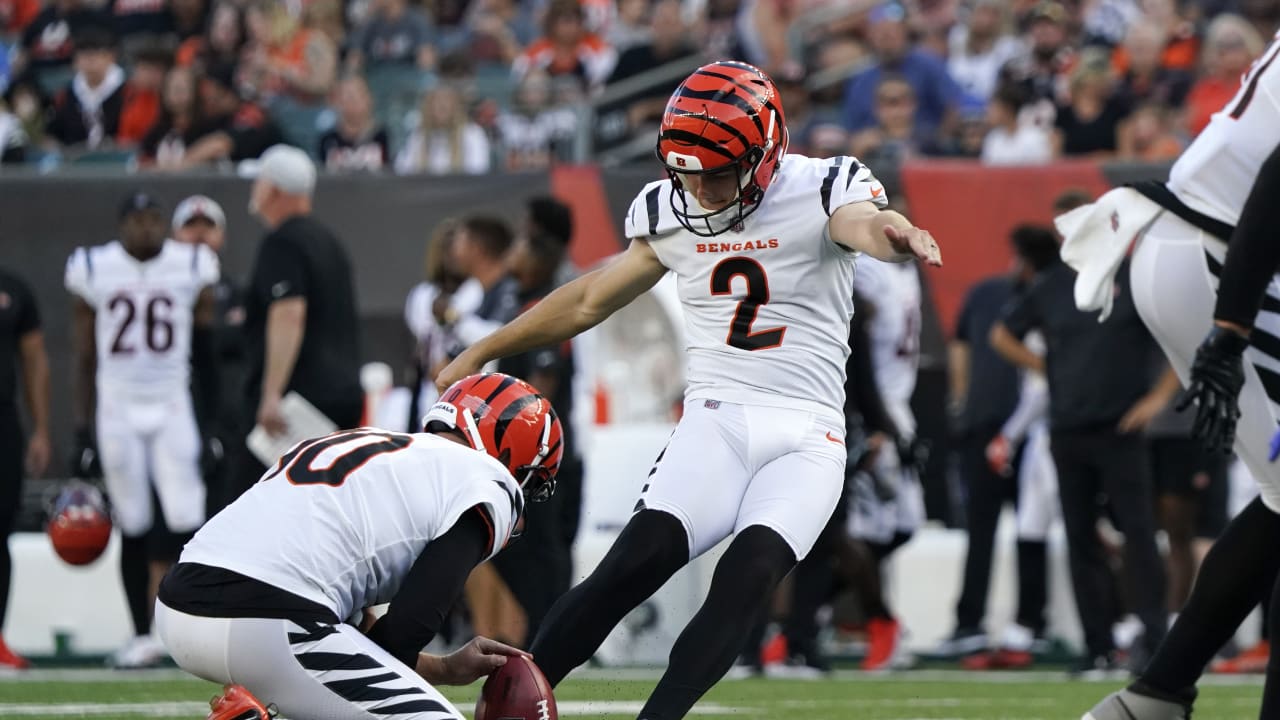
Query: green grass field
[932, 695]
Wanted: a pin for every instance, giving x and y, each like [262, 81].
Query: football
[516, 691]
[79, 524]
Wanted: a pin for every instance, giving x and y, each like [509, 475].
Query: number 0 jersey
[341, 519]
[143, 313]
[766, 307]
[1215, 174]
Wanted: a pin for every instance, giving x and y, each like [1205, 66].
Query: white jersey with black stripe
[341, 519]
[766, 305]
[143, 313]
[1215, 174]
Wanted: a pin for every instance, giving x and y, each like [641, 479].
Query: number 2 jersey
[143, 313]
[766, 307]
[1216, 172]
[341, 519]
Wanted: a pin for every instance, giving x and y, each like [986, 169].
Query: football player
[273, 592]
[1207, 264]
[142, 305]
[763, 246]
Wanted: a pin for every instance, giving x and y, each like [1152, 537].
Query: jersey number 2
[740, 334]
[296, 463]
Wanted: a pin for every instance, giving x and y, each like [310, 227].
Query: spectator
[357, 142]
[1097, 412]
[190, 17]
[1145, 79]
[146, 80]
[287, 58]
[395, 34]
[668, 40]
[630, 28]
[49, 41]
[140, 22]
[21, 345]
[980, 47]
[16, 15]
[445, 141]
[1015, 138]
[13, 139]
[1092, 122]
[984, 393]
[936, 94]
[1149, 136]
[498, 32]
[536, 130]
[178, 125]
[897, 135]
[28, 106]
[1230, 45]
[300, 310]
[222, 41]
[1043, 69]
[231, 128]
[99, 106]
[566, 48]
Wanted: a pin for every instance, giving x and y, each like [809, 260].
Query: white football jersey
[341, 519]
[1215, 174]
[767, 306]
[894, 329]
[144, 312]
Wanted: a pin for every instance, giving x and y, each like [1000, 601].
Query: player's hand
[475, 660]
[38, 451]
[84, 462]
[1216, 378]
[1000, 456]
[1142, 413]
[462, 366]
[917, 242]
[269, 417]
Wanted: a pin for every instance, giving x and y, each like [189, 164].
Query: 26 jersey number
[741, 335]
[297, 463]
[157, 322]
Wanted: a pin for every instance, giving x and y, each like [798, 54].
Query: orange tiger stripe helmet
[508, 419]
[726, 115]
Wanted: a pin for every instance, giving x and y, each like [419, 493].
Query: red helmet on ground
[726, 115]
[79, 524]
[506, 418]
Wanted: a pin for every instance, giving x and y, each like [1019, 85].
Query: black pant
[11, 471]
[1092, 464]
[986, 494]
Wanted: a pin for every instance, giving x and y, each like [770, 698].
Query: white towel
[1097, 238]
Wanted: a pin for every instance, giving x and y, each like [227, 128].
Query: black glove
[212, 454]
[1216, 378]
[913, 454]
[84, 462]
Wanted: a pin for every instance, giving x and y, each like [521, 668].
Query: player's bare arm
[883, 234]
[84, 345]
[35, 387]
[572, 309]
[286, 323]
[1014, 350]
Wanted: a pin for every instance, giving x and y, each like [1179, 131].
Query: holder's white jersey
[1215, 174]
[144, 313]
[766, 306]
[341, 519]
[894, 329]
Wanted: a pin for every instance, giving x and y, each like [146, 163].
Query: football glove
[1217, 374]
[84, 462]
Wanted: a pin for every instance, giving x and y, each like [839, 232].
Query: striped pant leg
[1174, 275]
[319, 671]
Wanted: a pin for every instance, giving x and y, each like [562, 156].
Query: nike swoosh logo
[877, 191]
[834, 439]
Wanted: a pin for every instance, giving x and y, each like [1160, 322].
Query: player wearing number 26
[763, 246]
[139, 304]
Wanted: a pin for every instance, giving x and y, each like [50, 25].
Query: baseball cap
[199, 206]
[137, 202]
[288, 168]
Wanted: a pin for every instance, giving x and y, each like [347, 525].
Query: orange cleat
[237, 703]
[11, 660]
[1002, 659]
[882, 644]
[774, 651]
[1253, 660]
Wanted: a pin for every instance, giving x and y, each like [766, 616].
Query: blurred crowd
[475, 86]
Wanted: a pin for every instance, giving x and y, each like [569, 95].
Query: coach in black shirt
[1101, 397]
[300, 312]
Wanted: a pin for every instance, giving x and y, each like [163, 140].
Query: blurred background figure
[356, 143]
[445, 141]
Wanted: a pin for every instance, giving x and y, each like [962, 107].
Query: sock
[135, 575]
[1033, 583]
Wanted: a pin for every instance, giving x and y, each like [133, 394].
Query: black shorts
[1183, 468]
